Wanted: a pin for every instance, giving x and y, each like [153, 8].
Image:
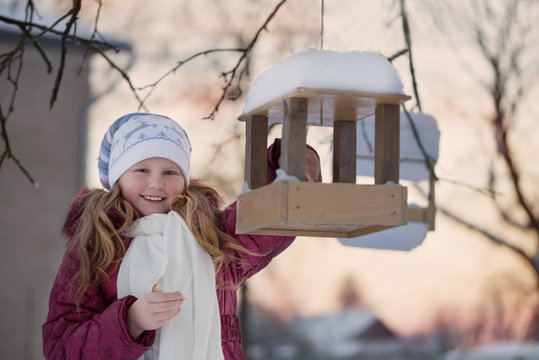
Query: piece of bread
[157, 288]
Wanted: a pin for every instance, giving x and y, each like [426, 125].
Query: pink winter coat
[99, 329]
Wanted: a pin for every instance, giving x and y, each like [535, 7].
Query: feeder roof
[365, 72]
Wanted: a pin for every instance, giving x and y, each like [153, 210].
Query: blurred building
[50, 144]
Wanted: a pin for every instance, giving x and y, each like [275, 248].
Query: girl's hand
[152, 310]
[312, 166]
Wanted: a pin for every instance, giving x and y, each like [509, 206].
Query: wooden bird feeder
[339, 209]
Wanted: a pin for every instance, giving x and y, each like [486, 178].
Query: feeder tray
[338, 209]
[316, 209]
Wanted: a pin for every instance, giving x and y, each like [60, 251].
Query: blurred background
[468, 291]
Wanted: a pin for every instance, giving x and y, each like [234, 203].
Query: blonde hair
[106, 215]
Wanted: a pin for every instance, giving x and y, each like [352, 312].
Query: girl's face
[149, 184]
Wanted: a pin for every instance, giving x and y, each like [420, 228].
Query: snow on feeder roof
[353, 81]
[325, 88]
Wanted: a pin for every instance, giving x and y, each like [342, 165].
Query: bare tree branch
[503, 60]
[397, 55]
[11, 62]
[493, 238]
[94, 34]
[73, 13]
[408, 40]
[179, 64]
[8, 153]
[244, 57]
[429, 163]
[505, 214]
[27, 27]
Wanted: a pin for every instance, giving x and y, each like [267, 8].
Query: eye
[142, 170]
[169, 172]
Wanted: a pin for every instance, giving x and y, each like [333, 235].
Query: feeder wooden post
[386, 143]
[344, 151]
[256, 138]
[293, 145]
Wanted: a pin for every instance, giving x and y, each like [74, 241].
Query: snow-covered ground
[498, 351]
[340, 335]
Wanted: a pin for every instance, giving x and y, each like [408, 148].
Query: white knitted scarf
[164, 251]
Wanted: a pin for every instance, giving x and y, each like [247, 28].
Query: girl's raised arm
[264, 247]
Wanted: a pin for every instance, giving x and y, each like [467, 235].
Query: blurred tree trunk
[503, 34]
[505, 51]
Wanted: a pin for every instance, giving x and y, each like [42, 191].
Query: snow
[401, 238]
[500, 351]
[324, 69]
[281, 176]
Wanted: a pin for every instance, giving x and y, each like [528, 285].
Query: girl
[153, 228]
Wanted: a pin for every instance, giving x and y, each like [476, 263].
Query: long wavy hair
[100, 246]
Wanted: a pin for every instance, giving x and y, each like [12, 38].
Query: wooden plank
[335, 233]
[340, 203]
[432, 201]
[417, 214]
[256, 142]
[425, 215]
[344, 152]
[300, 232]
[367, 230]
[262, 207]
[324, 210]
[288, 229]
[293, 144]
[386, 144]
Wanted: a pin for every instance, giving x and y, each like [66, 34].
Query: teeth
[152, 198]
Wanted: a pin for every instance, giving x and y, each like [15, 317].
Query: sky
[408, 290]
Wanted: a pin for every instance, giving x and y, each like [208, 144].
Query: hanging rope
[322, 26]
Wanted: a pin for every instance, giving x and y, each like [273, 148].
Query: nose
[155, 181]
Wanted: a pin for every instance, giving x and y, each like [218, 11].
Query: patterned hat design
[140, 136]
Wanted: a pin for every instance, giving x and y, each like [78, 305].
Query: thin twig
[493, 238]
[428, 160]
[92, 37]
[51, 31]
[244, 56]
[113, 65]
[74, 12]
[505, 214]
[397, 55]
[8, 153]
[179, 64]
[408, 40]
[39, 49]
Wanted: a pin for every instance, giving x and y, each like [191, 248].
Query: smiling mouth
[153, 198]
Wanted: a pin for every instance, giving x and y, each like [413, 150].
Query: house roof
[351, 323]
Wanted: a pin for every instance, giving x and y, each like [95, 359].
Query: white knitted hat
[139, 136]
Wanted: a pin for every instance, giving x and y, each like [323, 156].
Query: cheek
[176, 188]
